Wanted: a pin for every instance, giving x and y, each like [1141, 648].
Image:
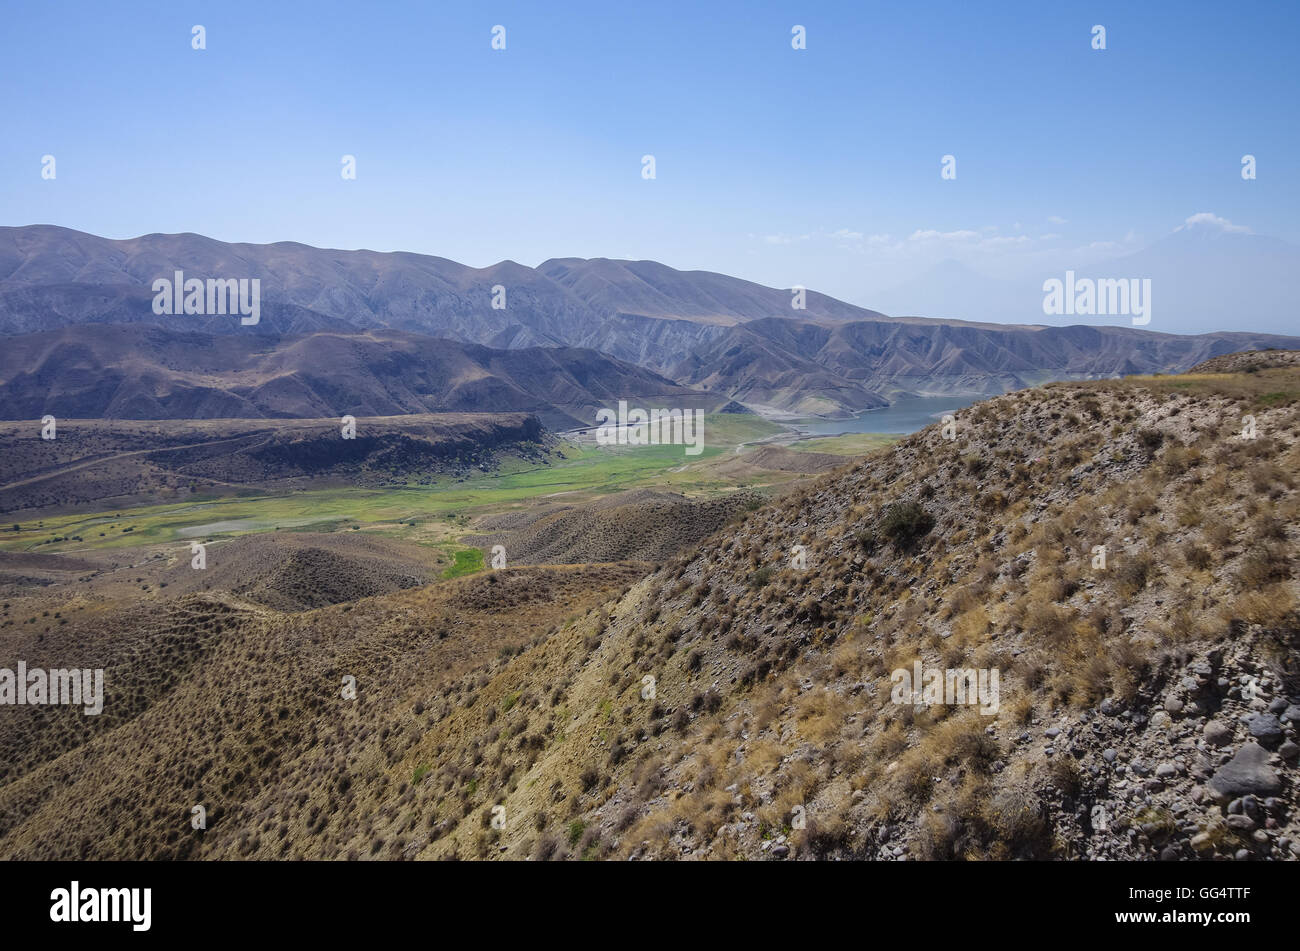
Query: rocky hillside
[1118, 552]
[1147, 709]
[638, 525]
[1249, 362]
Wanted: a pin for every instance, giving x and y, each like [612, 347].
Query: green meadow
[435, 514]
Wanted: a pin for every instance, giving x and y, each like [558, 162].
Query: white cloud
[931, 235]
[1057, 220]
[1209, 218]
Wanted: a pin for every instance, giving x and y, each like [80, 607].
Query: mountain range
[733, 339]
[144, 372]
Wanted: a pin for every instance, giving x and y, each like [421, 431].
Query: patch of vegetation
[467, 561]
[905, 523]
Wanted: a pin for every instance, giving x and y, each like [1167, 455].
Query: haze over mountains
[1206, 274]
[732, 338]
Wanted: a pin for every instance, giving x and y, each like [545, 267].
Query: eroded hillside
[738, 701]
[1146, 709]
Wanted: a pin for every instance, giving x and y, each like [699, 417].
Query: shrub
[576, 828]
[904, 523]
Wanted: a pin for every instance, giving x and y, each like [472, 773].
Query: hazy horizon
[818, 167]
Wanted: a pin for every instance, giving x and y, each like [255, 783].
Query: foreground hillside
[1147, 706]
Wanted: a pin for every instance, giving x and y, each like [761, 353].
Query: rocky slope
[1148, 709]
[740, 701]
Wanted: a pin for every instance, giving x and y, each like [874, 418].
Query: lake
[902, 416]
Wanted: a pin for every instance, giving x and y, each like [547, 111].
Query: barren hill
[627, 526]
[1117, 551]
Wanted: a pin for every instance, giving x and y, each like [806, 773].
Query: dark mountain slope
[140, 372]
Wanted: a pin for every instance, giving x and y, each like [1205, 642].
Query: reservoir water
[902, 416]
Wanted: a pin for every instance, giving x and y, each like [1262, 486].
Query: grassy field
[464, 562]
[435, 514]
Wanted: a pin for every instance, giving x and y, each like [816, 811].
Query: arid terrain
[706, 673]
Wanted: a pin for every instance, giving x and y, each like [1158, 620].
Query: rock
[1247, 772]
[1243, 855]
[1109, 707]
[1166, 771]
[1278, 705]
[1161, 721]
[1218, 733]
[1109, 755]
[1289, 751]
[1052, 733]
[1292, 713]
[1202, 844]
[1169, 854]
[1265, 728]
[1250, 807]
[780, 851]
[1239, 823]
[1141, 768]
[1174, 705]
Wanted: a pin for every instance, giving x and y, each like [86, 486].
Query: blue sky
[817, 167]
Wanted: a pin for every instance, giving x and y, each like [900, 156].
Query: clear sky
[818, 167]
